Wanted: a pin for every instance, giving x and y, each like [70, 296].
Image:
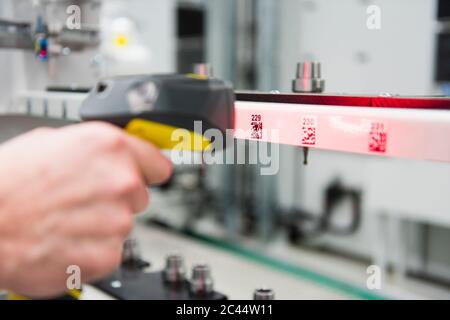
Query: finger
[139, 199]
[154, 166]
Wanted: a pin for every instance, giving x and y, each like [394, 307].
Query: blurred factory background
[393, 213]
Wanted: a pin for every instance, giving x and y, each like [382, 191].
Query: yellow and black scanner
[153, 106]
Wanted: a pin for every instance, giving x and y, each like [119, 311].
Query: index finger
[155, 167]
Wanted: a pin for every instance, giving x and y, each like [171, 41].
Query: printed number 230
[306, 121]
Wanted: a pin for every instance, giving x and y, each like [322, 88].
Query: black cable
[303, 225]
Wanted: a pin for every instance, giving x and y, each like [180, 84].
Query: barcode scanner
[153, 107]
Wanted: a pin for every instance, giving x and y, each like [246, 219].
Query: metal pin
[305, 155]
[130, 251]
[174, 271]
[263, 294]
[201, 281]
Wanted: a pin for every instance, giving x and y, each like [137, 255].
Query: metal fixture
[201, 281]
[264, 294]
[308, 78]
[174, 271]
[131, 257]
[130, 250]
